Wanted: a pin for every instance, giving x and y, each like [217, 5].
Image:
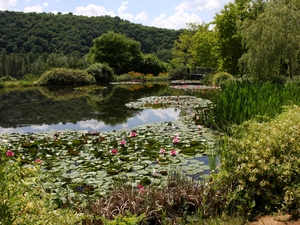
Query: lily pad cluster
[169, 102]
[91, 162]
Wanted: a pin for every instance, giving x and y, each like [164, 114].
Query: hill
[67, 33]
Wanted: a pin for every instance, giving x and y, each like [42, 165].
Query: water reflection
[52, 109]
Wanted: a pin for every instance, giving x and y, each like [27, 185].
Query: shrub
[150, 64]
[261, 162]
[62, 76]
[221, 77]
[180, 73]
[7, 78]
[102, 72]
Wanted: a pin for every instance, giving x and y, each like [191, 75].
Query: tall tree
[121, 53]
[272, 39]
[203, 50]
[230, 46]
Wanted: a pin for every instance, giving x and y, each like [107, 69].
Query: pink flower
[199, 127]
[133, 134]
[10, 153]
[38, 161]
[175, 140]
[123, 142]
[162, 151]
[114, 151]
[173, 153]
[141, 188]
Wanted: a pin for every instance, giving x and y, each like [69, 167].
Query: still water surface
[53, 109]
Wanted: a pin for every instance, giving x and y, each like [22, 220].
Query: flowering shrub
[262, 164]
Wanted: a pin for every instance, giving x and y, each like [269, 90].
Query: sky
[171, 14]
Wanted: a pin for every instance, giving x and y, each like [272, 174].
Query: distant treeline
[67, 33]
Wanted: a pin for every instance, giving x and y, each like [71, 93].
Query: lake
[44, 109]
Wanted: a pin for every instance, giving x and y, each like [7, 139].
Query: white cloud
[142, 16]
[122, 8]
[176, 21]
[43, 127]
[7, 4]
[46, 4]
[94, 124]
[35, 8]
[93, 10]
[199, 5]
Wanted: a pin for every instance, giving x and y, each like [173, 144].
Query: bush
[150, 64]
[220, 78]
[8, 78]
[62, 76]
[180, 73]
[102, 72]
[261, 162]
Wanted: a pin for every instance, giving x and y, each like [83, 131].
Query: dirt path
[275, 220]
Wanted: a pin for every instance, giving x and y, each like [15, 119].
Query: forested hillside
[67, 33]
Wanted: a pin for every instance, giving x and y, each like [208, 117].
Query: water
[53, 109]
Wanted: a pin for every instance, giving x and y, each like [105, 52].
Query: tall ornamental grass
[239, 101]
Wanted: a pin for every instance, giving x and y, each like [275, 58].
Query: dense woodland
[246, 39]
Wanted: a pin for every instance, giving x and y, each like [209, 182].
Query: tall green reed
[240, 101]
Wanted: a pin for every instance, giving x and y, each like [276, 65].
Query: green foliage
[180, 73]
[61, 76]
[220, 78]
[68, 33]
[262, 165]
[150, 64]
[241, 101]
[229, 45]
[272, 44]
[102, 72]
[7, 78]
[127, 219]
[121, 53]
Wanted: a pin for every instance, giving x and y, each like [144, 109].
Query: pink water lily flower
[114, 151]
[162, 151]
[173, 153]
[175, 140]
[123, 142]
[38, 161]
[10, 153]
[133, 134]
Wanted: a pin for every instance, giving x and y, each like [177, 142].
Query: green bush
[63, 76]
[102, 72]
[180, 73]
[7, 78]
[150, 64]
[221, 77]
[261, 163]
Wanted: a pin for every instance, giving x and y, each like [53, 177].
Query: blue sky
[172, 14]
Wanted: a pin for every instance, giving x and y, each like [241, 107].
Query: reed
[240, 101]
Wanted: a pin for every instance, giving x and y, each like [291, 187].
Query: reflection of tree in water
[112, 110]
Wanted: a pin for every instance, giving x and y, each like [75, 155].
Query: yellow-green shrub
[221, 77]
[261, 163]
[63, 76]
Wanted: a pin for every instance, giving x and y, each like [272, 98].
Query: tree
[272, 42]
[121, 53]
[203, 50]
[230, 46]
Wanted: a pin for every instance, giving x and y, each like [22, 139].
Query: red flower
[141, 188]
[38, 161]
[10, 153]
[114, 151]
